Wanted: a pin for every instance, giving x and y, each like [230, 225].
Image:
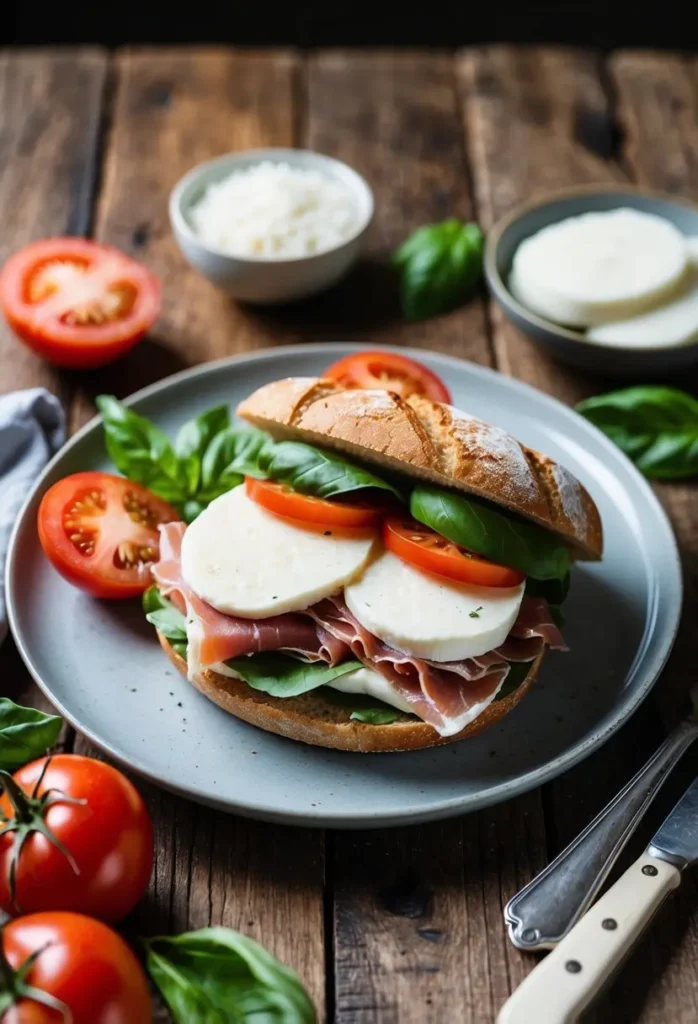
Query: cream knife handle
[568, 979]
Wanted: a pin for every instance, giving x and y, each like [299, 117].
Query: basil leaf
[141, 451]
[232, 454]
[363, 708]
[439, 264]
[179, 647]
[554, 591]
[476, 526]
[310, 470]
[656, 427]
[162, 614]
[194, 438]
[217, 976]
[25, 734]
[280, 675]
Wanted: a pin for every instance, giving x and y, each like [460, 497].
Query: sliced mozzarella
[363, 680]
[246, 561]
[675, 323]
[600, 266]
[431, 618]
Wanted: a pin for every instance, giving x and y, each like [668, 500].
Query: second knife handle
[542, 913]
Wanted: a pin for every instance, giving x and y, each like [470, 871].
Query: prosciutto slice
[446, 695]
[214, 637]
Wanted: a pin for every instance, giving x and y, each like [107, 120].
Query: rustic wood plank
[172, 109]
[49, 139]
[418, 927]
[394, 118]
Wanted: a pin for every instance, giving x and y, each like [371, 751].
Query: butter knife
[560, 988]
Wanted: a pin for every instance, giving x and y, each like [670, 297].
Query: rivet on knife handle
[542, 913]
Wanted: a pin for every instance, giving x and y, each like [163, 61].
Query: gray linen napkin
[32, 428]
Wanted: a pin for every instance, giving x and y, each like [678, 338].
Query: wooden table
[386, 926]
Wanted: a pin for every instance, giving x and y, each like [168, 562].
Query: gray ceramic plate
[101, 665]
[563, 343]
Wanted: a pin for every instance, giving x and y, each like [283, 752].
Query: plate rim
[444, 808]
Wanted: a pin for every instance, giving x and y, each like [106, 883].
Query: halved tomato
[76, 302]
[390, 371]
[427, 550]
[309, 510]
[101, 532]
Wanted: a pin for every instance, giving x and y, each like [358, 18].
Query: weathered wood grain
[49, 137]
[173, 108]
[394, 118]
[418, 929]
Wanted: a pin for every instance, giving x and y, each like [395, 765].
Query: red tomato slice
[308, 510]
[427, 550]
[78, 303]
[391, 371]
[100, 532]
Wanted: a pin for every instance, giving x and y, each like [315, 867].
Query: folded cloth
[32, 428]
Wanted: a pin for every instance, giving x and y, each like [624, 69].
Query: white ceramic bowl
[257, 279]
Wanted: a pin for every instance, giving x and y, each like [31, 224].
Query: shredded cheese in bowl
[275, 211]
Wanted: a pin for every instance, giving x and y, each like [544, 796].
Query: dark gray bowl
[563, 343]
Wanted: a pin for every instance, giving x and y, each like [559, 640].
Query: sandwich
[388, 577]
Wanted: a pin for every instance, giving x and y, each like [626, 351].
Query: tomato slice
[78, 303]
[309, 510]
[391, 371]
[100, 532]
[427, 550]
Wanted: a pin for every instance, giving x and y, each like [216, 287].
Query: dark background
[605, 23]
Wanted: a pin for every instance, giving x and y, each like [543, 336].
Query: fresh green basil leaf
[280, 675]
[363, 708]
[24, 734]
[162, 614]
[480, 528]
[194, 438]
[192, 508]
[232, 454]
[310, 470]
[141, 451]
[439, 266]
[217, 976]
[656, 427]
[179, 647]
[518, 674]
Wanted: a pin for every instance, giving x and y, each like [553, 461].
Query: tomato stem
[29, 811]
[14, 986]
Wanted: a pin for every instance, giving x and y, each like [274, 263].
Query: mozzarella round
[673, 324]
[600, 266]
[245, 561]
[427, 617]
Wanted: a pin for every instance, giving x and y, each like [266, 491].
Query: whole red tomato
[102, 828]
[81, 964]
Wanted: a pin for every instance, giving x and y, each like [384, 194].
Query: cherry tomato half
[427, 550]
[100, 532]
[76, 302]
[81, 963]
[104, 826]
[309, 510]
[390, 371]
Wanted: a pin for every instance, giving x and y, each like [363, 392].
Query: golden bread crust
[433, 442]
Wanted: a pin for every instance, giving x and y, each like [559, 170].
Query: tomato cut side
[427, 550]
[309, 510]
[101, 532]
[390, 371]
[76, 302]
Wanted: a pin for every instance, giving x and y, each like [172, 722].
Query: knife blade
[563, 985]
